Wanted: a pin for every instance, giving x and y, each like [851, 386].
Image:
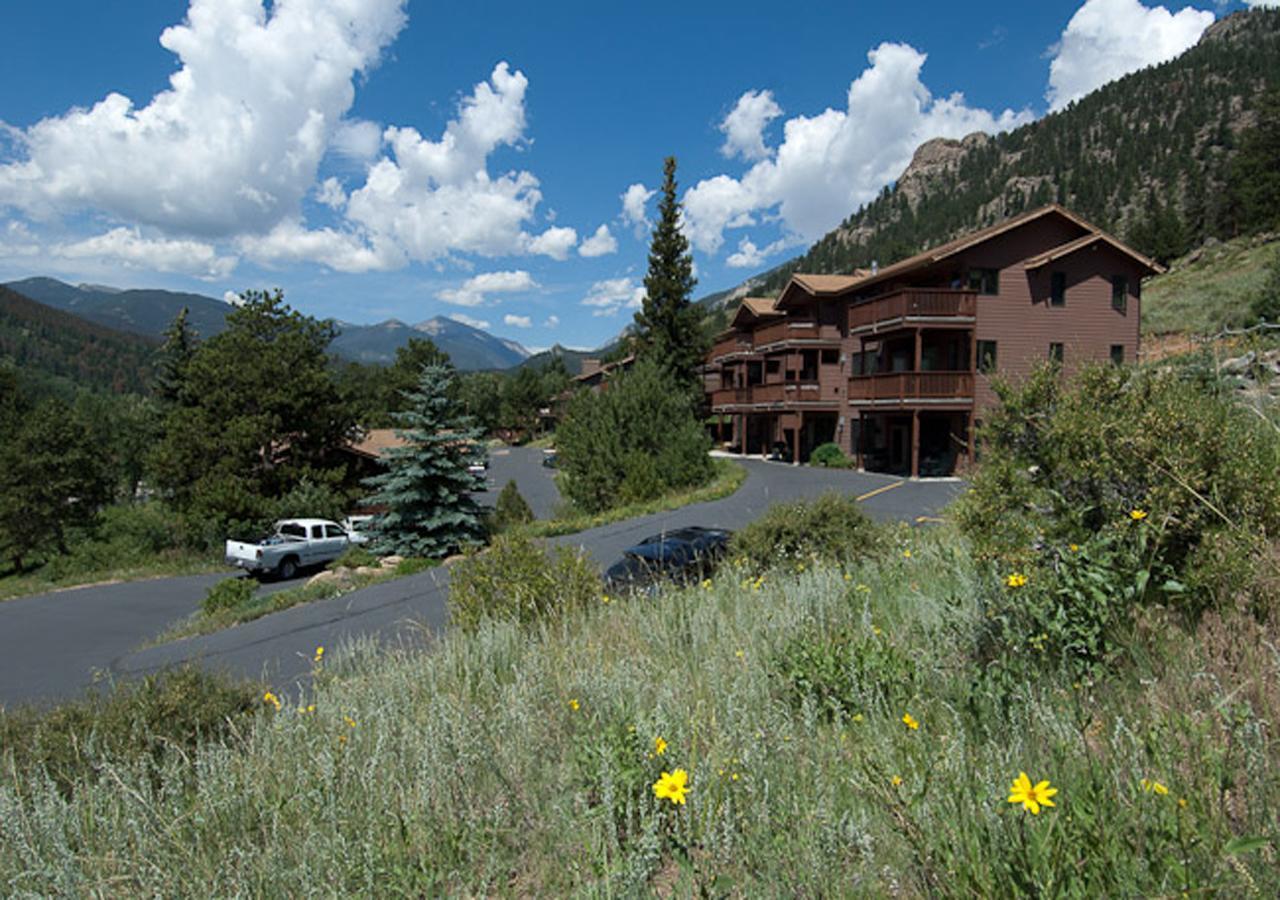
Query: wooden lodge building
[894, 364]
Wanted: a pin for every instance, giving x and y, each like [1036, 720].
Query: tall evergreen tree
[427, 488]
[174, 357]
[668, 325]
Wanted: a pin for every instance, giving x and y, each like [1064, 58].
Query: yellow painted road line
[880, 490]
[920, 520]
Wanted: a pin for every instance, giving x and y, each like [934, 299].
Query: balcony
[781, 335]
[738, 345]
[911, 389]
[792, 394]
[929, 306]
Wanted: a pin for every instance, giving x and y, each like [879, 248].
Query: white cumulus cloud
[610, 296]
[1106, 39]
[128, 248]
[233, 144]
[830, 163]
[475, 290]
[555, 242]
[292, 242]
[468, 320]
[634, 200]
[744, 126]
[552, 321]
[749, 255]
[517, 321]
[599, 244]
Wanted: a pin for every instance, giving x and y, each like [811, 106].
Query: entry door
[899, 446]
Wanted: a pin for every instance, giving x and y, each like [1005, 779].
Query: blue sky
[377, 158]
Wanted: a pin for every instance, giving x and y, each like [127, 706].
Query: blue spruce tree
[427, 488]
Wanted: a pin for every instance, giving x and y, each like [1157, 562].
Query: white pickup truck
[292, 545]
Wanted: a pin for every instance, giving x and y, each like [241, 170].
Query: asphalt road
[54, 646]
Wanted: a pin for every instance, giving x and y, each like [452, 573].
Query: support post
[915, 443]
[919, 348]
[795, 439]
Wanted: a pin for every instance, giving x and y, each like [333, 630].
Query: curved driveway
[53, 646]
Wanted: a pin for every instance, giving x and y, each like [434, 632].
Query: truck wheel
[288, 568]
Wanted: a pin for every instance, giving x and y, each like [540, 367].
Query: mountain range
[149, 312]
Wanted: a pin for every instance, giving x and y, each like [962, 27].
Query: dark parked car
[550, 459]
[780, 452]
[680, 555]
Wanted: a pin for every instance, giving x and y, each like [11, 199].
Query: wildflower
[910, 722]
[319, 655]
[734, 776]
[1154, 787]
[896, 781]
[857, 717]
[706, 584]
[875, 629]
[672, 786]
[1182, 802]
[1016, 580]
[1137, 515]
[848, 577]
[1075, 548]
[605, 599]
[739, 654]
[574, 704]
[659, 746]
[1032, 797]
[272, 699]
[863, 588]
[906, 554]
[351, 723]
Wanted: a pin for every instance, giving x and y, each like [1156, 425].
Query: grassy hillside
[1207, 290]
[54, 349]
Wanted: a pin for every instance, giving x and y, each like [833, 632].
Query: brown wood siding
[1021, 320]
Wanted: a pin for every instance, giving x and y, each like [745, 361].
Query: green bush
[354, 557]
[511, 509]
[230, 593]
[173, 711]
[829, 456]
[1063, 464]
[832, 528]
[516, 579]
[631, 442]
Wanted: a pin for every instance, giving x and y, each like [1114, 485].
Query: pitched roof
[839, 284]
[376, 442]
[1087, 241]
[754, 308]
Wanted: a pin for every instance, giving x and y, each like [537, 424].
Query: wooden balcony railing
[730, 396]
[797, 333]
[909, 387]
[780, 394]
[915, 303]
[731, 346]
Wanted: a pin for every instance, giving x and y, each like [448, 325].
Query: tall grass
[520, 761]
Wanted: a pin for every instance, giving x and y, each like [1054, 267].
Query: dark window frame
[1058, 289]
[988, 356]
[1120, 294]
[1057, 352]
[984, 281]
[1117, 354]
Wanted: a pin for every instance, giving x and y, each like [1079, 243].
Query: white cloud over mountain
[611, 296]
[830, 163]
[1107, 39]
[476, 290]
[517, 321]
[465, 319]
[128, 247]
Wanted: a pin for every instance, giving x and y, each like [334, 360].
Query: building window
[1058, 289]
[986, 356]
[1117, 354]
[830, 357]
[984, 281]
[1055, 354]
[1120, 294]
[771, 366]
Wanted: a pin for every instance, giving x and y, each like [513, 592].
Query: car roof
[306, 523]
[688, 533]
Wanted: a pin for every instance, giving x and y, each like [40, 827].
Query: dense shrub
[229, 593]
[139, 722]
[832, 528]
[845, 672]
[511, 508]
[631, 442]
[516, 579]
[1129, 488]
[1062, 464]
[354, 557]
[829, 456]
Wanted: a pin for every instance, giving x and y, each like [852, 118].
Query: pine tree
[511, 509]
[173, 359]
[427, 487]
[668, 325]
